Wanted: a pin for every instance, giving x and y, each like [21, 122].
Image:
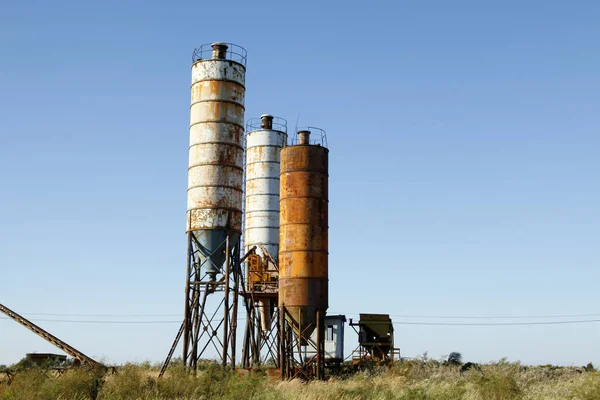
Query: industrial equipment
[303, 254]
[375, 340]
[46, 358]
[334, 340]
[284, 216]
[73, 352]
[214, 203]
[264, 141]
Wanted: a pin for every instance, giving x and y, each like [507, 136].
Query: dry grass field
[416, 379]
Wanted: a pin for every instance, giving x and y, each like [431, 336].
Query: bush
[454, 358]
[411, 380]
[38, 384]
[499, 383]
[589, 388]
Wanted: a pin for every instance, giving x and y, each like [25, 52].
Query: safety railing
[234, 53]
[317, 136]
[255, 124]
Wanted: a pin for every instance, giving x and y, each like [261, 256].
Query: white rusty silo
[264, 142]
[216, 151]
[214, 201]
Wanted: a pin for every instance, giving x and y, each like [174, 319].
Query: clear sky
[464, 164]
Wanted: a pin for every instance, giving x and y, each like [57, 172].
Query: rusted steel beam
[172, 350]
[73, 352]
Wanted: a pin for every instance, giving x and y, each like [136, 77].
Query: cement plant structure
[284, 283]
[277, 194]
[264, 141]
[214, 206]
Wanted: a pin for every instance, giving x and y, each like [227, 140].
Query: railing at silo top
[233, 53]
[317, 136]
[255, 124]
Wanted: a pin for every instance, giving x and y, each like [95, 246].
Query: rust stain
[303, 254]
[218, 90]
[216, 157]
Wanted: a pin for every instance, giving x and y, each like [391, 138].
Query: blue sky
[463, 152]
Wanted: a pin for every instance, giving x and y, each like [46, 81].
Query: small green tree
[589, 367]
[24, 364]
[455, 358]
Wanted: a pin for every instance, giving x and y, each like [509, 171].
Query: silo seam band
[218, 101]
[304, 197]
[220, 80]
[223, 186]
[267, 130]
[263, 145]
[201, 60]
[303, 223]
[262, 162]
[234, 166]
[262, 177]
[264, 227]
[264, 194]
[305, 170]
[217, 122]
[302, 250]
[214, 208]
[218, 142]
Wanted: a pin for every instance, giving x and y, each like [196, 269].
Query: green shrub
[589, 388]
[498, 383]
[39, 384]
[422, 379]
[129, 383]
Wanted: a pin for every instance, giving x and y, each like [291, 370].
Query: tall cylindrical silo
[214, 202]
[303, 251]
[263, 147]
[264, 142]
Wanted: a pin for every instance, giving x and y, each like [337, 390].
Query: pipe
[303, 137]
[219, 50]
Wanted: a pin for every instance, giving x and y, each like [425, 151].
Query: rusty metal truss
[261, 346]
[210, 318]
[73, 352]
[300, 356]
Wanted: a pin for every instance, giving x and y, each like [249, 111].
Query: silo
[214, 196]
[264, 142]
[216, 151]
[303, 251]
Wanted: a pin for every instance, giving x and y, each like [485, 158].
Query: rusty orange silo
[303, 251]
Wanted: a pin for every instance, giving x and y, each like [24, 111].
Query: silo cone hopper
[212, 244]
[303, 322]
[267, 308]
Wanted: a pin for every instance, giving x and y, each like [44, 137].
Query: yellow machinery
[261, 276]
[261, 293]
